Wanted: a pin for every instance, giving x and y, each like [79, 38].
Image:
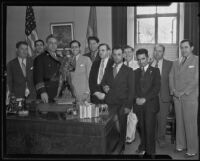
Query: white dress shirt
[105, 63]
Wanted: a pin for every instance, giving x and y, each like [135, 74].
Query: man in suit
[147, 102]
[130, 57]
[184, 86]
[93, 43]
[80, 77]
[20, 73]
[46, 71]
[164, 94]
[98, 70]
[118, 84]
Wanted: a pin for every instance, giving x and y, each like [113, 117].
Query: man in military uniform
[46, 71]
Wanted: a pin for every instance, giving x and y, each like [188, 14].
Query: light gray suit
[80, 77]
[184, 78]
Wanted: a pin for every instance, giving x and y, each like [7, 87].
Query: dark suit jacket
[150, 87]
[122, 89]
[164, 90]
[94, 87]
[90, 56]
[16, 80]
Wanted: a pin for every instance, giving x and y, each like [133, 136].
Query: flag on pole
[92, 25]
[30, 30]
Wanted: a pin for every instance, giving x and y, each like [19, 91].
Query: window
[157, 24]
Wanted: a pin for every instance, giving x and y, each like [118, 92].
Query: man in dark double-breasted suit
[146, 106]
[118, 84]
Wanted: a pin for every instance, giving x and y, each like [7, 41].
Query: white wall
[45, 15]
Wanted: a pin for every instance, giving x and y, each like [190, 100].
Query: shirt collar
[146, 67]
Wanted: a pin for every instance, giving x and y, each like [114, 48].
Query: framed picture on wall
[64, 33]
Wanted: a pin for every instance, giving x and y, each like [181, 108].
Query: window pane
[145, 30]
[168, 9]
[146, 10]
[167, 29]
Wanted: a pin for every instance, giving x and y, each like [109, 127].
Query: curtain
[119, 26]
[191, 24]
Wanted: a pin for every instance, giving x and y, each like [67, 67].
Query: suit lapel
[18, 67]
[119, 73]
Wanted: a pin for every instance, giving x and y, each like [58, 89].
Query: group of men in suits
[102, 76]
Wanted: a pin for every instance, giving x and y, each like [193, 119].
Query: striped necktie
[183, 60]
[23, 67]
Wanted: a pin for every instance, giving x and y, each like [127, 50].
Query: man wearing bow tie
[46, 71]
[147, 87]
[184, 87]
[20, 73]
[118, 84]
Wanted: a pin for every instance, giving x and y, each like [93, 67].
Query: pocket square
[191, 66]
[31, 68]
[82, 65]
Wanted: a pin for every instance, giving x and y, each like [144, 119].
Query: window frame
[156, 15]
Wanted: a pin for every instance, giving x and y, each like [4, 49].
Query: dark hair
[104, 44]
[93, 38]
[187, 40]
[117, 47]
[79, 44]
[39, 40]
[161, 45]
[142, 51]
[50, 36]
[19, 43]
[127, 47]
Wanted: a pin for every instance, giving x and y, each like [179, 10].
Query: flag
[30, 30]
[92, 25]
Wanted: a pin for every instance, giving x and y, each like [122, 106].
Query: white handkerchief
[31, 68]
[82, 65]
[191, 66]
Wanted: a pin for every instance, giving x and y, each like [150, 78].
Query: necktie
[115, 70]
[156, 64]
[127, 63]
[23, 67]
[93, 57]
[143, 72]
[101, 70]
[183, 60]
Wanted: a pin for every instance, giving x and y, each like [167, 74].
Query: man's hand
[85, 97]
[140, 101]
[178, 94]
[127, 110]
[106, 88]
[44, 97]
[99, 95]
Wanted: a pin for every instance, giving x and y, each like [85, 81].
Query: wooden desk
[36, 135]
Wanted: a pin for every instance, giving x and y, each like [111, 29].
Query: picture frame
[64, 32]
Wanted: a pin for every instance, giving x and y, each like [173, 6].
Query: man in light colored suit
[184, 87]
[164, 94]
[80, 77]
